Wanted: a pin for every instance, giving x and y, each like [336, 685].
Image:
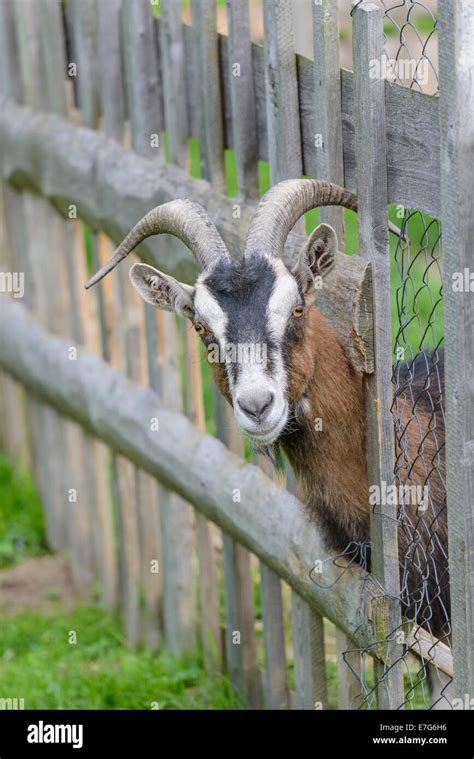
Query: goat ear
[162, 291]
[316, 258]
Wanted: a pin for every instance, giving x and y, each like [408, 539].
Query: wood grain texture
[176, 515]
[208, 92]
[282, 106]
[209, 612]
[82, 22]
[241, 650]
[111, 63]
[240, 641]
[10, 74]
[327, 106]
[457, 164]
[142, 76]
[36, 224]
[16, 428]
[308, 654]
[173, 66]
[275, 669]
[373, 240]
[349, 694]
[242, 93]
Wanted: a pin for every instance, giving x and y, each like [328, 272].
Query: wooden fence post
[456, 48]
[369, 100]
[285, 155]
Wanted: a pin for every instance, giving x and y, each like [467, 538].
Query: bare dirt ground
[37, 584]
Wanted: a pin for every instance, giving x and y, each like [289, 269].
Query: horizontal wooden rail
[267, 520]
[82, 171]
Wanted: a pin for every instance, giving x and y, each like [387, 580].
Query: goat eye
[200, 328]
[297, 312]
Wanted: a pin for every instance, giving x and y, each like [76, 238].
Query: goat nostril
[255, 405]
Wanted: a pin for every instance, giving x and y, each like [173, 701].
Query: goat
[306, 375]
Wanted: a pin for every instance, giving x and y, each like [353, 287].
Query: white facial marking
[254, 379]
[208, 309]
[282, 301]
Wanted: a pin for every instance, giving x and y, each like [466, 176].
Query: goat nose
[254, 404]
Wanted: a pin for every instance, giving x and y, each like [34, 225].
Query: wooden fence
[103, 399]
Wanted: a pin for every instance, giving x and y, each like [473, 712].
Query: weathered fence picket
[373, 240]
[457, 140]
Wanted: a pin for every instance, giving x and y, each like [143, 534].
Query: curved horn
[282, 206]
[182, 218]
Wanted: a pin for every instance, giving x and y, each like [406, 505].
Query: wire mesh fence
[411, 43]
[418, 487]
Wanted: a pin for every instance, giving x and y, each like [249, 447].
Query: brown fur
[332, 471]
[331, 468]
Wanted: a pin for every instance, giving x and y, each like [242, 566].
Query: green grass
[22, 526]
[38, 663]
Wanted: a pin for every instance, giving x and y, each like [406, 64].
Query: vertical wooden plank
[209, 97]
[373, 238]
[96, 458]
[275, 673]
[136, 493]
[31, 234]
[308, 654]
[10, 79]
[241, 645]
[10, 86]
[283, 125]
[84, 24]
[74, 509]
[29, 53]
[142, 78]
[176, 516]
[456, 56]
[174, 80]
[53, 55]
[142, 69]
[82, 15]
[15, 429]
[275, 664]
[330, 167]
[15, 235]
[285, 155]
[242, 91]
[119, 337]
[205, 531]
[327, 106]
[241, 651]
[349, 694]
[111, 84]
